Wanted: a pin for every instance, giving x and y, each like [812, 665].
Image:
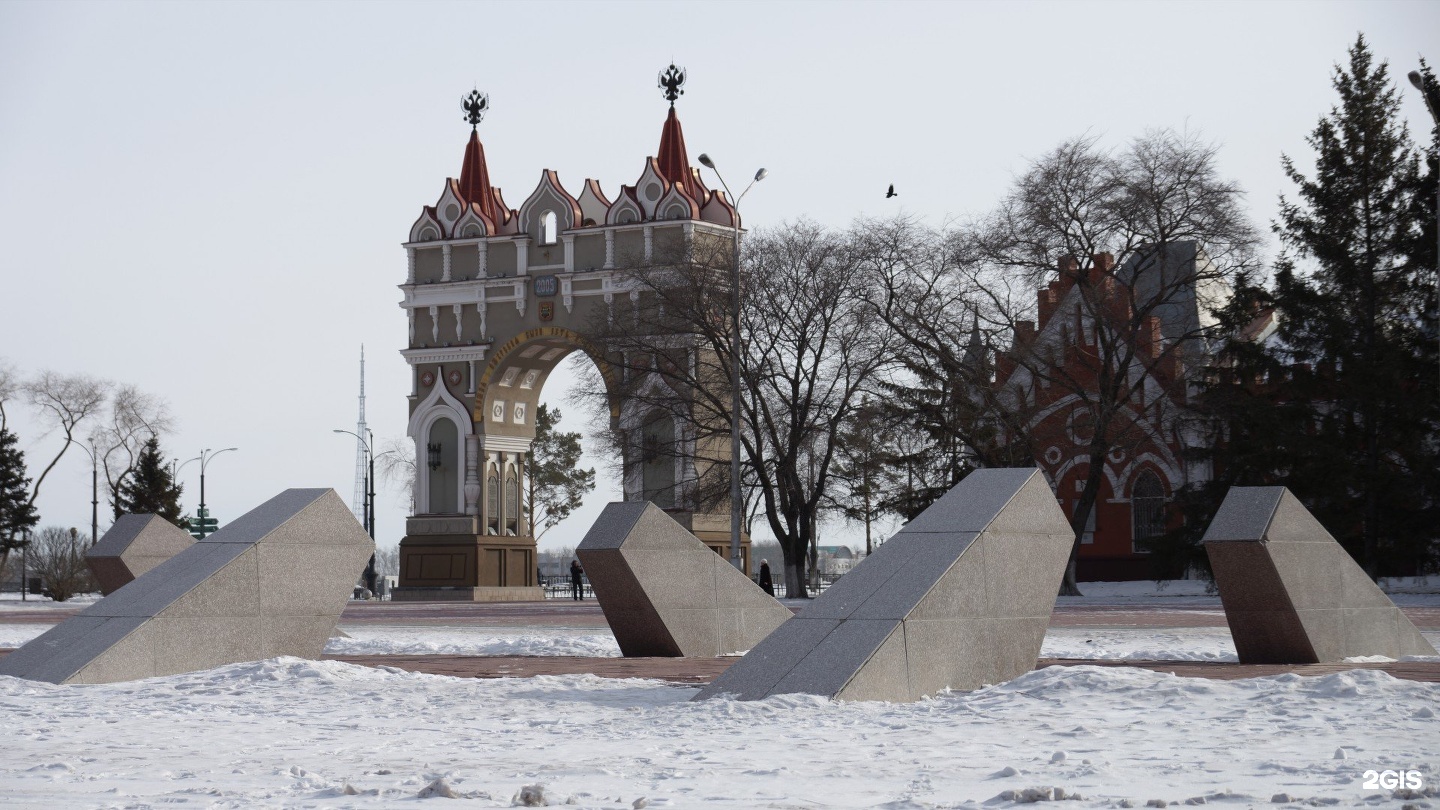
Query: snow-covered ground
[292, 733]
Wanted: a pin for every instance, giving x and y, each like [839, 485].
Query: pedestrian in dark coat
[576, 582]
[765, 584]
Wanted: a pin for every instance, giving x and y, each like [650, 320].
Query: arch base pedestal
[444, 558]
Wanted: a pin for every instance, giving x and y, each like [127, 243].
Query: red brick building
[1052, 374]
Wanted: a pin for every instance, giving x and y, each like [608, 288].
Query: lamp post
[205, 462]
[736, 504]
[94, 490]
[369, 508]
[1432, 103]
[176, 465]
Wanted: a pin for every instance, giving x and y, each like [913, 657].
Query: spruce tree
[557, 484]
[1342, 406]
[17, 514]
[150, 489]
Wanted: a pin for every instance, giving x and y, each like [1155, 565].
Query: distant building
[1145, 469]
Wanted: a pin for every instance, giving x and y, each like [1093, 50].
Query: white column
[471, 389]
[472, 475]
[410, 265]
[569, 253]
[609, 249]
[482, 252]
[649, 242]
[435, 324]
[522, 256]
[445, 271]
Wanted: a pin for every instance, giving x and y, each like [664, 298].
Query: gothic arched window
[1147, 509]
[549, 228]
[512, 506]
[492, 504]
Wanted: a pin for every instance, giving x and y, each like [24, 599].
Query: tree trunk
[1069, 585]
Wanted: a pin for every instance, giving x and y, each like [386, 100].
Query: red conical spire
[475, 177]
[674, 163]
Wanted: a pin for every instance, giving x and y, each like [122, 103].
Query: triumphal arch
[496, 298]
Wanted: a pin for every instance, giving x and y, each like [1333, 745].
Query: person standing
[576, 580]
[765, 584]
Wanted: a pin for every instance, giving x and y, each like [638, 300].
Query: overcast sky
[207, 200]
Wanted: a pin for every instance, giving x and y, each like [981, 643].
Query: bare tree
[387, 561]
[10, 387]
[58, 558]
[810, 349]
[395, 465]
[65, 402]
[133, 418]
[1146, 241]
[945, 417]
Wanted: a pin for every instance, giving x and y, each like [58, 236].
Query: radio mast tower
[362, 466]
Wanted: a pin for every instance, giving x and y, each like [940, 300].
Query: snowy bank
[288, 732]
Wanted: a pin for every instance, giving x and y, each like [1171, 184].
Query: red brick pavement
[704, 670]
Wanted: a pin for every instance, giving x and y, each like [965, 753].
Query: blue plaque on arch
[546, 286]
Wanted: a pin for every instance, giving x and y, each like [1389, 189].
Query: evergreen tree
[150, 489]
[1342, 406]
[864, 452]
[557, 483]
[17, 514]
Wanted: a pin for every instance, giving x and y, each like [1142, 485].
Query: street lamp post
[369, 507]
[205, 462]
[94, 490]
[1432, 103]
[736, 503]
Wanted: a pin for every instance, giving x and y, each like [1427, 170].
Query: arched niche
[444, 468]
[658, 460]
[435, 492]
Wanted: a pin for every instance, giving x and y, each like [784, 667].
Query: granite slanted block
[1292, 594]
[272, 582]
[664, 593]
[959, 598]
[133, 545]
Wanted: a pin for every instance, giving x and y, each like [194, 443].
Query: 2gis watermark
[1392, 780]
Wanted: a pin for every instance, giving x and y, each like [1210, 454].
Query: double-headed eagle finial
[475, 106]
[671, 80]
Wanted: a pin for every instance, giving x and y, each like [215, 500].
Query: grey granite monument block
[273, 582]
[959, 598]
[132, 546]
[1292, 594]
[665, 593]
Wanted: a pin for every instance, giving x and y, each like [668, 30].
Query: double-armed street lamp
[94, 489]
[206, 456]
[1432, 103]
[736, 503]
[369, 508]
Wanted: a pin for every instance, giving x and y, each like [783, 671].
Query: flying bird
[891, 192]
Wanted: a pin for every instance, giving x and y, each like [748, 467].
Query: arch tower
[496, 298]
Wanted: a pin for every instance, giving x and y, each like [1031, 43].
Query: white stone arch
[439, 404]
[1164, 467]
